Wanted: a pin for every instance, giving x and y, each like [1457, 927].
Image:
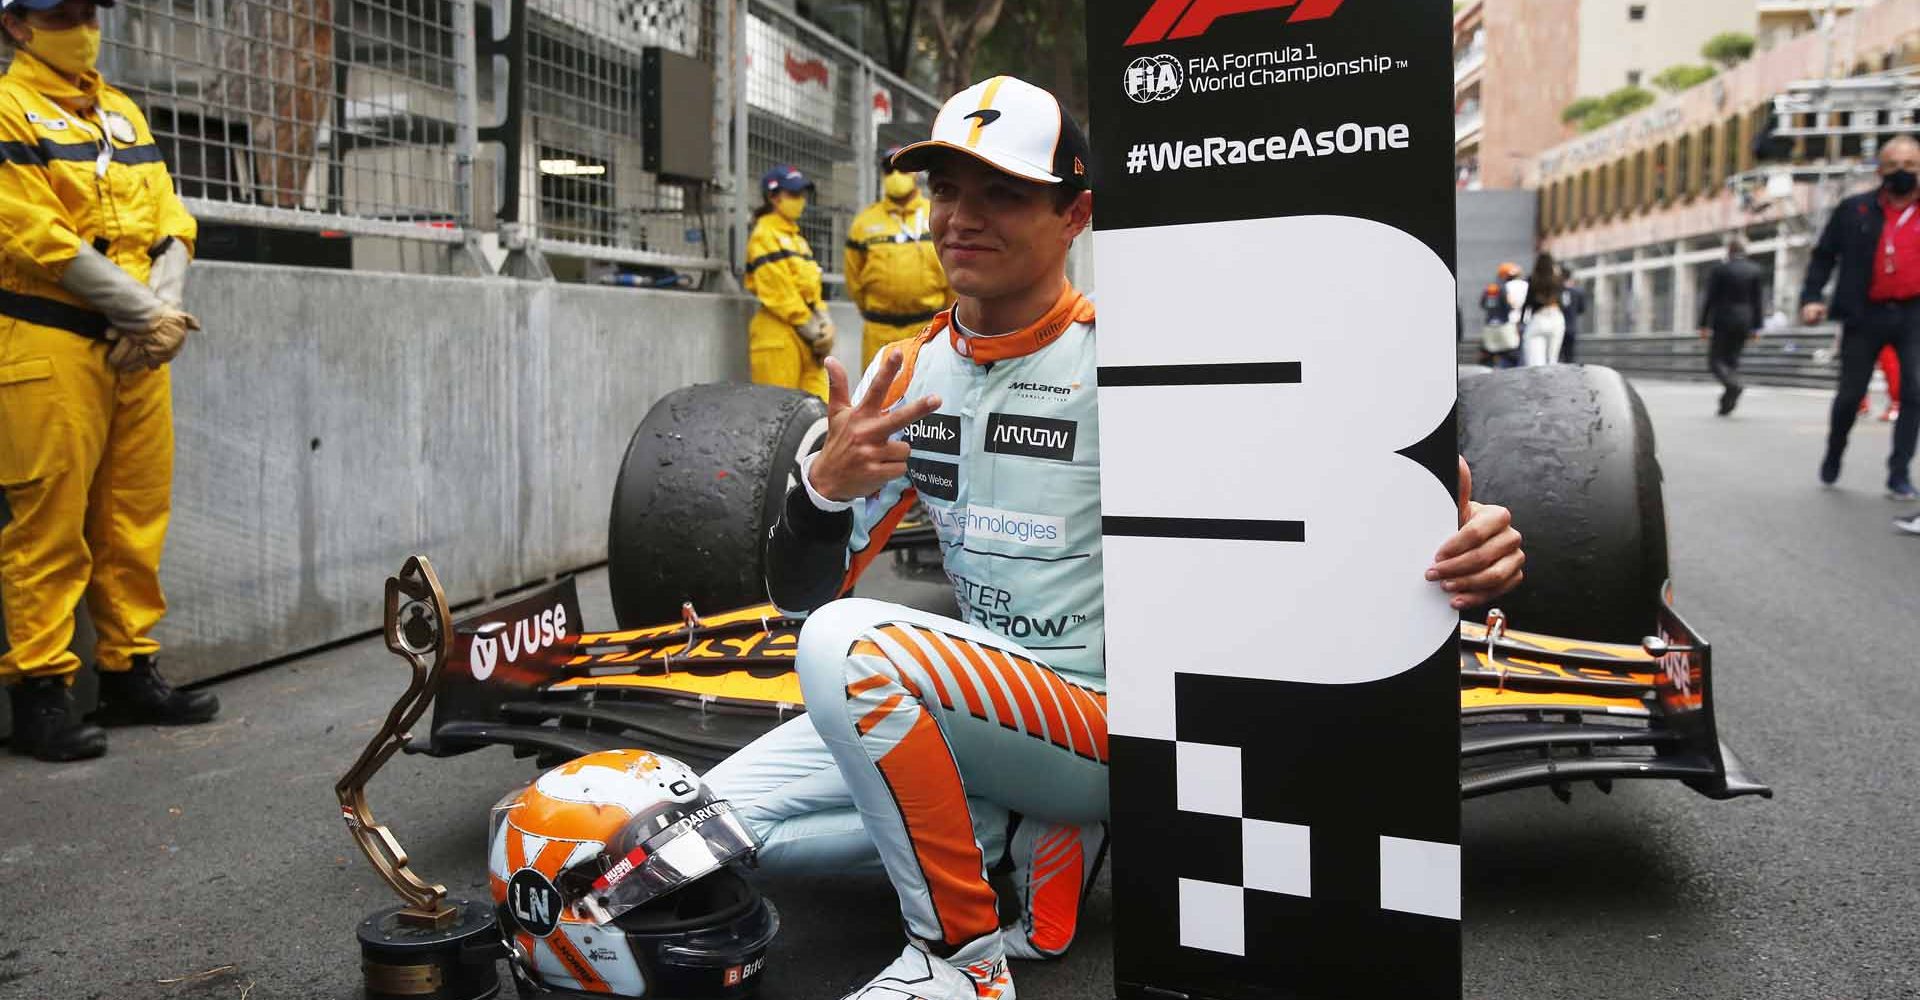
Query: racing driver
[925, 735]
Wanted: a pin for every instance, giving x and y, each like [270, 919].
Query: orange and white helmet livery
[616, 875]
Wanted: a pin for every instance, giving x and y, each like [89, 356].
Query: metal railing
[536, 121]
[1796, 356]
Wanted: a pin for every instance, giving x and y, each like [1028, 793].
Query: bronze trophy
[429, 947]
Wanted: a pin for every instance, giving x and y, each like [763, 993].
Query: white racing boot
[977, 971]
[1053, 869]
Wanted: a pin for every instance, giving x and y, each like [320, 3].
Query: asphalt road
[220, 847]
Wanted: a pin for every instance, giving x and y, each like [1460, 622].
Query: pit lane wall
[329, 423]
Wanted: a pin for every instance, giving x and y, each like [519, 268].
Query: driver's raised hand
[860, 456]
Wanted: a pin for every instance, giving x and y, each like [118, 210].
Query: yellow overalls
[783, 275]
[894, 273]
[86, 455]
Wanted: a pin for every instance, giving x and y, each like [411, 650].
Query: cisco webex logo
[1176, 19]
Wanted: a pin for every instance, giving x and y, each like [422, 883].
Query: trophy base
[407, 959]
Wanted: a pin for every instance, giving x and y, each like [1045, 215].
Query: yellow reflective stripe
[986, 102]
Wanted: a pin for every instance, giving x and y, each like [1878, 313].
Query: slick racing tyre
[701, 485]
[1570, 450]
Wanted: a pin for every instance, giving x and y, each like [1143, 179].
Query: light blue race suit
[949, 744]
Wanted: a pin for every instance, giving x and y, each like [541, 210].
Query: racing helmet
[617, 874]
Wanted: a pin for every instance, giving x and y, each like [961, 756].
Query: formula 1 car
[1607, 682]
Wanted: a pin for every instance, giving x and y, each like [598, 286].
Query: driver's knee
[826, 643]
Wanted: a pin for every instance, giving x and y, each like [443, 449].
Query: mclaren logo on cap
[987, 116]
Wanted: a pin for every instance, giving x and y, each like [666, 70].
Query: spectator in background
[1874, 240]
[1573, 305]
[93, 268]
[1730, 316]
[1542, 323]
[1890, 370]
[1500, 330]
[893, 271]
[791, 334]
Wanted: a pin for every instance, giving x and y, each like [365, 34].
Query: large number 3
[1226, 442]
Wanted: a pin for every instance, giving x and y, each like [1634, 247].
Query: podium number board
[1273, 245]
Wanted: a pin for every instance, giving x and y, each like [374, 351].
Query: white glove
[815, 327]
[168, 278]
[99, 282]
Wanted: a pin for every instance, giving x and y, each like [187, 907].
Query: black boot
[44, 724]
[140, 696]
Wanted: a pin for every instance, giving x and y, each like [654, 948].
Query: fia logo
[533, 902]
[1155, 78]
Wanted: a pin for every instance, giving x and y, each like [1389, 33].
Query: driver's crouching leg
[868, 709]
[910, 704]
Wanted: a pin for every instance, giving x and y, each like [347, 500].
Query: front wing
[1534, 709]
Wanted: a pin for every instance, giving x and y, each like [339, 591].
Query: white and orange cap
[1010, 125]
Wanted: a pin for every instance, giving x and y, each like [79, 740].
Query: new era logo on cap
[1011, 125]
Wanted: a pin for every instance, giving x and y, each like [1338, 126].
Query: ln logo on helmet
[1175, 19]
[534, 902]
[1155, 78]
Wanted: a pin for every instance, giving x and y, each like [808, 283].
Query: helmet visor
[706, 837]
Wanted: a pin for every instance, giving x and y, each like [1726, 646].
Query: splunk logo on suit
[975, 523]
[934, 432]
[522, 638]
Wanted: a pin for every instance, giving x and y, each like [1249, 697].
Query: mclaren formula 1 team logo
[1172, 20]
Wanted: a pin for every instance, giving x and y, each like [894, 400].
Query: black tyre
[1570, 450]
[701, 484]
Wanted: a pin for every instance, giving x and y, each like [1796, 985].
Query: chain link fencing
[816, 104]
[621, 132]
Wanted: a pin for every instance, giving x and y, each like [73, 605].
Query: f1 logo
[1175, 19]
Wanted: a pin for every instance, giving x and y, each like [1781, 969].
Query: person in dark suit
[1573, 303]
[1874, 238]
[1729, 317]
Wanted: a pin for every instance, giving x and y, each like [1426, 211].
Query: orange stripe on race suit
[878, 715]
[1056, 898]
[1043, 693]
[1077, 726]
[1010, 677]
[953, 653]
[865, 684]
[1093, 707]
[876, 541]
[900, 635]
[1002, 711]
[925, 783]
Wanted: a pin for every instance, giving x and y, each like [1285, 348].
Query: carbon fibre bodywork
[1535, 710]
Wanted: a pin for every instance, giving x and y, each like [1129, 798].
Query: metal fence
[814, 103]
[618, 131]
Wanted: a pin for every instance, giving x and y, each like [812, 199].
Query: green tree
[1728, 48]
[1675, 79]
[1579, 109]
[1594, 112]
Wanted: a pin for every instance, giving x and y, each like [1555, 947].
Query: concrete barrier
[330, 423]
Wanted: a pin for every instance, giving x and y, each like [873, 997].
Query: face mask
[71, 51]
[899, 186]
[1901, 182]
[790, 207]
